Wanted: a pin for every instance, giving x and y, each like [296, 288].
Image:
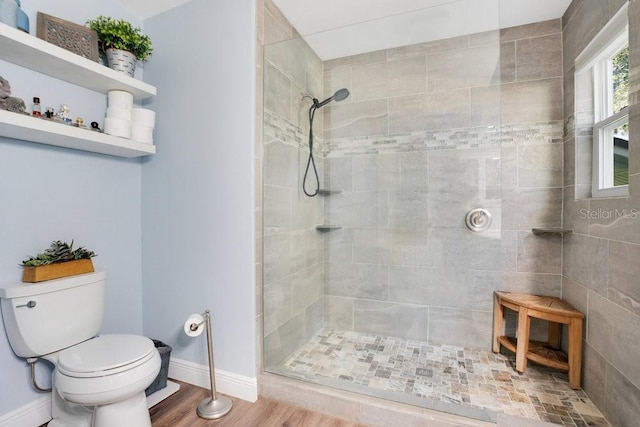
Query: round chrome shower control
[478, 220]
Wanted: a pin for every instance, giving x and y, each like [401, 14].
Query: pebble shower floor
[456, 375]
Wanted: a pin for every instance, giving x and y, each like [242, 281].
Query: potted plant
[121, 42]
[59, 260]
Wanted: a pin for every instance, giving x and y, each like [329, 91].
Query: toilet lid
[105, 355]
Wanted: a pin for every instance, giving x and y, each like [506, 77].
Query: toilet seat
[105, 355]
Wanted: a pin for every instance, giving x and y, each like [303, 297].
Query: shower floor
[455, 379]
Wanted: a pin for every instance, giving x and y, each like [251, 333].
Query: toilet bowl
[98, 381]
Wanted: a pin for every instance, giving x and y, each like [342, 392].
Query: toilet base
[129, 412]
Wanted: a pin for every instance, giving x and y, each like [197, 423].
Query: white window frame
[595, 59]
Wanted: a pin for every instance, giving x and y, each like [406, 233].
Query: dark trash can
[161, 380]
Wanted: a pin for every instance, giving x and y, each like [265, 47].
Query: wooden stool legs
[556, 312]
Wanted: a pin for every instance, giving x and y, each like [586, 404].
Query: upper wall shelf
[27, 128]
[30, 52]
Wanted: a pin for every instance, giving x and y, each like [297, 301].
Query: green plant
[120, 34]
[58, 252]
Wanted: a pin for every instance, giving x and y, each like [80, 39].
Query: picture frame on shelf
[73, 37]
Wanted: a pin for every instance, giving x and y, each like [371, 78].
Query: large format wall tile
[429, 111]
[387, 79]
[462, 327]
[624, 273]
[451, 70]
[356, 119]
[534, 101]
[396, 320]
[365, 281]
[585, 261]
[623, 399]
[539, 58]
[540, 165]
[615, 333]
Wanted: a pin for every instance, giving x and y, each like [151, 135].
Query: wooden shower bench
[556, 312]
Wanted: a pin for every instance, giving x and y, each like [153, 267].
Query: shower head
[340, 95]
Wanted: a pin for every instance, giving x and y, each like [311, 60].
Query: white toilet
[97, 381]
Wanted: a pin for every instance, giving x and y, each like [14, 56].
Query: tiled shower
[428, 132]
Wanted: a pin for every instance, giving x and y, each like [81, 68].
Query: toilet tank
[41, 318]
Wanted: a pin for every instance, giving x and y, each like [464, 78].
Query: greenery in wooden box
[59, 260]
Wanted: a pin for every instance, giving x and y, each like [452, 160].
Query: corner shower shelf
[31, 129]
[30, 52]
[326, 192]
[328, 227]
[551, 230]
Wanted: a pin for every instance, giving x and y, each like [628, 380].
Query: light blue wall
[49, 193]
[198, 196]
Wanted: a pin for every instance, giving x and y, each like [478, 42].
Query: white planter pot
[121, 60]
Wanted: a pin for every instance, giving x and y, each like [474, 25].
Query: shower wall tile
[537, 29]
[539, 58]
[338, 312]
[276, 27]
[594, 376]
[408, 209]
[391, 78]
[485, 105]
[338, 245]
[277, 92]
[356, 119]
[484, 38]
[453, 43]
[334, 80]
[339, 173]
[279, 344]
[615, 219]
[365, 177]
[364, 281]
[534, 101]
[615, 334]
[278, 159]
[277, 209]
[314, 318]
[412, 285]
[542, 254]
[623, 399]
[408, 247]
[508, 62]
[276, 257]
[443, 110]
[462, 327]
[288, 57]
[532, 283]
[450, 70]
[531, 207]
[624, 271]
[414, 171]
[585, 261]
[396, 320]
[576, 295]
[277, 304]
[540, 165]
[356, 60]
[353, 209]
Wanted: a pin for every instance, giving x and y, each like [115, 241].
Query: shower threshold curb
[359, 408]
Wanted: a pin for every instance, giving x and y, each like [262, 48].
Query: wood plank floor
[179, 410]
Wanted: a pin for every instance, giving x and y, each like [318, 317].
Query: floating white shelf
[20, 126]
[31, 52]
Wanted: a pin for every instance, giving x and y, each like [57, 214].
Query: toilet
[98, 381]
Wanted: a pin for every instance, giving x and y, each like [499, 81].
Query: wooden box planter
[57, 270]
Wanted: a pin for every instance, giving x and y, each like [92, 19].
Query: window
[605, 63]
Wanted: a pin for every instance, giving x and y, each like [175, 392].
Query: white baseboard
[228, 383]
[32, 414]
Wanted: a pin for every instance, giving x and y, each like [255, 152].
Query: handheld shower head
[340, 95]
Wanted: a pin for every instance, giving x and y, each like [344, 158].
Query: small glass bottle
[36, 107]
